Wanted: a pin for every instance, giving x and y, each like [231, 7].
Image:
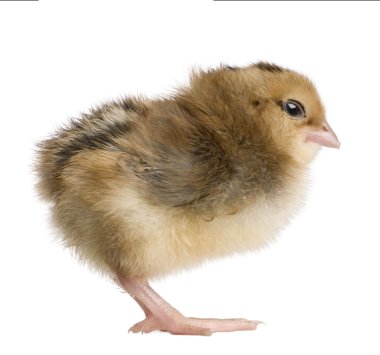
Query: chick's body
[141, 188]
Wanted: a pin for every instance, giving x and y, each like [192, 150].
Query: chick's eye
[293, 109]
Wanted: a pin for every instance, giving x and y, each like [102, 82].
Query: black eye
[294, 109]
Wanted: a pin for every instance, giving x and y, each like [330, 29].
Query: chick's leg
[160, 315]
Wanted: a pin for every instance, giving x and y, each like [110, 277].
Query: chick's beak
[324, 136]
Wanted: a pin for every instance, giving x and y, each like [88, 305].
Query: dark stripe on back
[104, 139]
[273, 68]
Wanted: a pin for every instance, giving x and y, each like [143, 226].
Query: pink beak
[324, 136]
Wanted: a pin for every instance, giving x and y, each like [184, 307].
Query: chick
[142, 188]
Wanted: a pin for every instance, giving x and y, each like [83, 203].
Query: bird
[141, 188]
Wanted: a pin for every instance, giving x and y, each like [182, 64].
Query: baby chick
[141, 188]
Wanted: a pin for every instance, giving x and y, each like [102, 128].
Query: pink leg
[160, 315]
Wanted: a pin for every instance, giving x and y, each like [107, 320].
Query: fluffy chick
[141, 188]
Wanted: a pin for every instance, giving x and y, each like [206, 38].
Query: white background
[317, 287]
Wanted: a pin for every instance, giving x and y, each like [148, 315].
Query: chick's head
[287, 106]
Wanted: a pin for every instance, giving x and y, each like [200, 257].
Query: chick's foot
[160, 315]
[193, 326]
